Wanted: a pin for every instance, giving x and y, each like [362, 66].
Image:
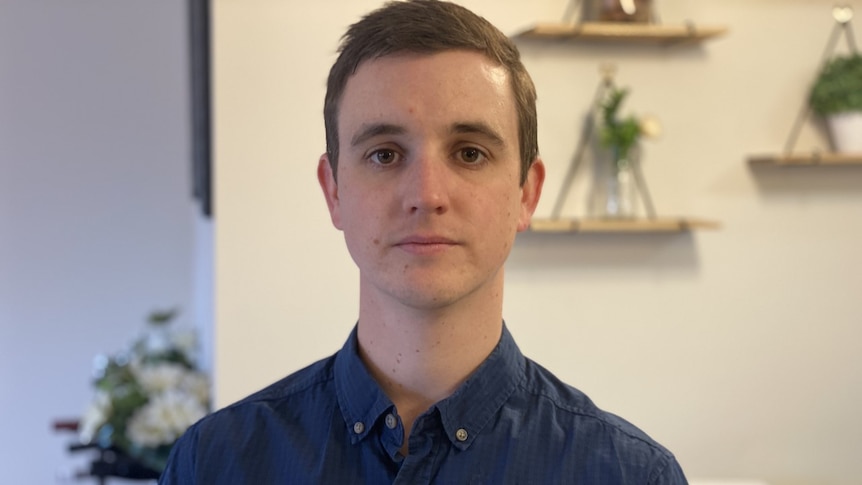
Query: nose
[427, 184]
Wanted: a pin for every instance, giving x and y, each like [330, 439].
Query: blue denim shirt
[511, 422]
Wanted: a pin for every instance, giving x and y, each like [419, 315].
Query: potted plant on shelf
[837, 96]
[617, 191]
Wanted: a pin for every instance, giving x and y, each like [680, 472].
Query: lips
[425, 244]
[415, 239]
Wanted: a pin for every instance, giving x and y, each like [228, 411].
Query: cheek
[361, 218]
[501, 217]
[511, 207]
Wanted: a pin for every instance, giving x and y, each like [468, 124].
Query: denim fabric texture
[511, 422]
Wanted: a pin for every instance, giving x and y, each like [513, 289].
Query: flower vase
[621, 191]
[615, 192]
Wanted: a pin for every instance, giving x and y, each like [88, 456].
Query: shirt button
[358, 427]
[461, 434]
[391, 422]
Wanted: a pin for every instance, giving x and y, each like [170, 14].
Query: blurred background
[740, 348]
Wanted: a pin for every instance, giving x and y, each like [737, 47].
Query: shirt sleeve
[180, 469]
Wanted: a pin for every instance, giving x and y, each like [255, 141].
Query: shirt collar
[464, 414]
[360, 398]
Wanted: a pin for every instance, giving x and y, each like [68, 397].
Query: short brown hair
[427, 27]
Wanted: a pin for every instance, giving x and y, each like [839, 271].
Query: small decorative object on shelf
[147, 396]
[615, 190]
[836, 95]
[618, 183]
[618, 11]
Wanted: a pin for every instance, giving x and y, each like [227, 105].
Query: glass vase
[614, 194]
[621, 191]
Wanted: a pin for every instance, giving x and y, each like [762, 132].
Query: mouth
[425, 245]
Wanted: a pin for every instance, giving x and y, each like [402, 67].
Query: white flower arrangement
[148, 396]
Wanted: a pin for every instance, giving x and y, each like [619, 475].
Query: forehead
[443, 87]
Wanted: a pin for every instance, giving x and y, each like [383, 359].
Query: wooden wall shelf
[657, 225]
[806, 159]
[623, 32]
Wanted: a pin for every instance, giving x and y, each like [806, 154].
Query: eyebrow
[479, 128]
[376, 129]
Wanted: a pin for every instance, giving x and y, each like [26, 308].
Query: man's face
[428, 193]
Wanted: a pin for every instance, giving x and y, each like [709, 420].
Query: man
[431, 169]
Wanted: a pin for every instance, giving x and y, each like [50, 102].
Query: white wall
[97, 227]
[739, 349]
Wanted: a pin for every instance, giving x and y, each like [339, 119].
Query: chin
[432, 297]
[427, 301]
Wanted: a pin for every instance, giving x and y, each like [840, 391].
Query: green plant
[838, 87]
[620, 135]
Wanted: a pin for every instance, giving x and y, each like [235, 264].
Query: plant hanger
[842, 14]
[589, 128]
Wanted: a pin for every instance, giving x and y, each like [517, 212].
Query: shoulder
[578, 418]
[279, 397]
[304, 380]
[548, 390]
[278, 405]
[230, 439]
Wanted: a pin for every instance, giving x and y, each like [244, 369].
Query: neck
[421, 356]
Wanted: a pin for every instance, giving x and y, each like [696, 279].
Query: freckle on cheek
[376, 241]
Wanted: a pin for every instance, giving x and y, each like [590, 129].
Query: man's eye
[472, 155]
[384, 157]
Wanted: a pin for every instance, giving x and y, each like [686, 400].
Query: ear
[330, 189]
[530, 193]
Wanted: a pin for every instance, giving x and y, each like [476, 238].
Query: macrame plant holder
[587, 138]
[842, 14]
